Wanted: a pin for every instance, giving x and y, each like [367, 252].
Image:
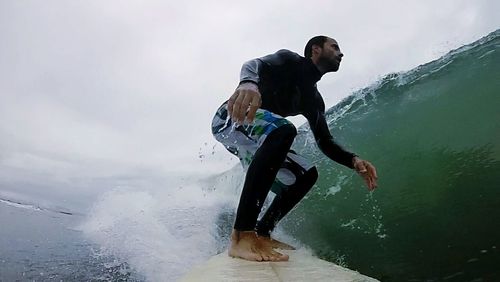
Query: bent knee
[282, 136]
[287, 131]
[312, 175]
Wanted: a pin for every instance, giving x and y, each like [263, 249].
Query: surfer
[252, 126]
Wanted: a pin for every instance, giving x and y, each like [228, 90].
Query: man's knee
[286, 132]
[311, 175]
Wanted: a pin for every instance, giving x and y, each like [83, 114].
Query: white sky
[93, 89]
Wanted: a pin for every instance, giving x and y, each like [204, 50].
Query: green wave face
[433, 134]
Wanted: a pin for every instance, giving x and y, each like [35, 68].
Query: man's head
[324, 52]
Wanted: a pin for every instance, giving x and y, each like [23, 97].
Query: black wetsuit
[287, 83]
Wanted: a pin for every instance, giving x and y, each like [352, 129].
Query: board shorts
[244, 140]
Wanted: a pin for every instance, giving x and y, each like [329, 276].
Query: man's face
[330, 55]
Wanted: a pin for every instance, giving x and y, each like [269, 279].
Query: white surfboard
[301, 266]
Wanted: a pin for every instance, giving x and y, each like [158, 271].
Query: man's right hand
[244, 102]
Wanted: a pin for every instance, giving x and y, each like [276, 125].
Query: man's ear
[316, 49]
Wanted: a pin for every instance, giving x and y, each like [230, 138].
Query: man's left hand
[367, 171]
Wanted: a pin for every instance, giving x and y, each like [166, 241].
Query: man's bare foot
[246, 245]
[275, 243]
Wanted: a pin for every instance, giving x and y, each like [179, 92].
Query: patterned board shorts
[244, 140]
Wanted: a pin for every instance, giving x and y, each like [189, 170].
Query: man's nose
[341, 54]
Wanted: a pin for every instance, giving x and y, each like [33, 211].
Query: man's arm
[250, 72]
[324, 139]
[317, 121]
[247, 98]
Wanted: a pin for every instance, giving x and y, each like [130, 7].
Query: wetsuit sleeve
[317, 121]
[251, 69]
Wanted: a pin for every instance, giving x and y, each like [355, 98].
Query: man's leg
[290, 194]
[259, 179]
[261, 174]
[264, 145]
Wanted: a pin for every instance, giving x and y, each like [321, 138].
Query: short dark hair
[317, 40]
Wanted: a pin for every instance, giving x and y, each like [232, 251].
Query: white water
[162, 232]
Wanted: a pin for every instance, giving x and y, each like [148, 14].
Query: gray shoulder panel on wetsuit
[250, 69]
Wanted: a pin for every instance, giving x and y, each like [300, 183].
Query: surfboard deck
[301, 266]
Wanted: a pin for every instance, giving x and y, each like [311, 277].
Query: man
[251, 125]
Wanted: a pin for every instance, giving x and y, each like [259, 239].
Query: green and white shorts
[244, 140]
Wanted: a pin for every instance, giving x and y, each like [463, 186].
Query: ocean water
[42, 245]
[432, 133]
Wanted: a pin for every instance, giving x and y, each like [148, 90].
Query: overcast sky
[104, 88]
